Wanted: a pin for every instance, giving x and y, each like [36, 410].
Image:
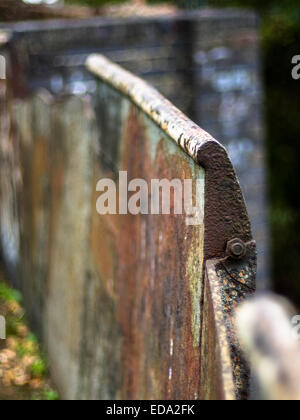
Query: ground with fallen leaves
[23, 367]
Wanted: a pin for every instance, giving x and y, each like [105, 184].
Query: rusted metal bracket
[228, 282]
[226, 216]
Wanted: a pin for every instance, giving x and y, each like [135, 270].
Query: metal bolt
[236, 248]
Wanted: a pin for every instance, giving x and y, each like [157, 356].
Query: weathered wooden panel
[121, 300]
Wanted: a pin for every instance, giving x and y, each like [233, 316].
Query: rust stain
[103, 241]
[224, 291]
[155, 299]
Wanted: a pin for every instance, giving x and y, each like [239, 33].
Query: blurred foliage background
[24, 373]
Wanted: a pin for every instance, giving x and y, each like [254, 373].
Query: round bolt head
[236, 248]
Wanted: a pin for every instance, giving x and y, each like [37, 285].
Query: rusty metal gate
[133, 307]
[128, 306]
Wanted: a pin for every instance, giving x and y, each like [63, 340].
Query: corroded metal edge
[225, 211]
[180, 128]
[225, 375]
[229, 283]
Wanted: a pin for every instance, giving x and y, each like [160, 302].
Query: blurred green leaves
[9, 294]
[24, 370]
